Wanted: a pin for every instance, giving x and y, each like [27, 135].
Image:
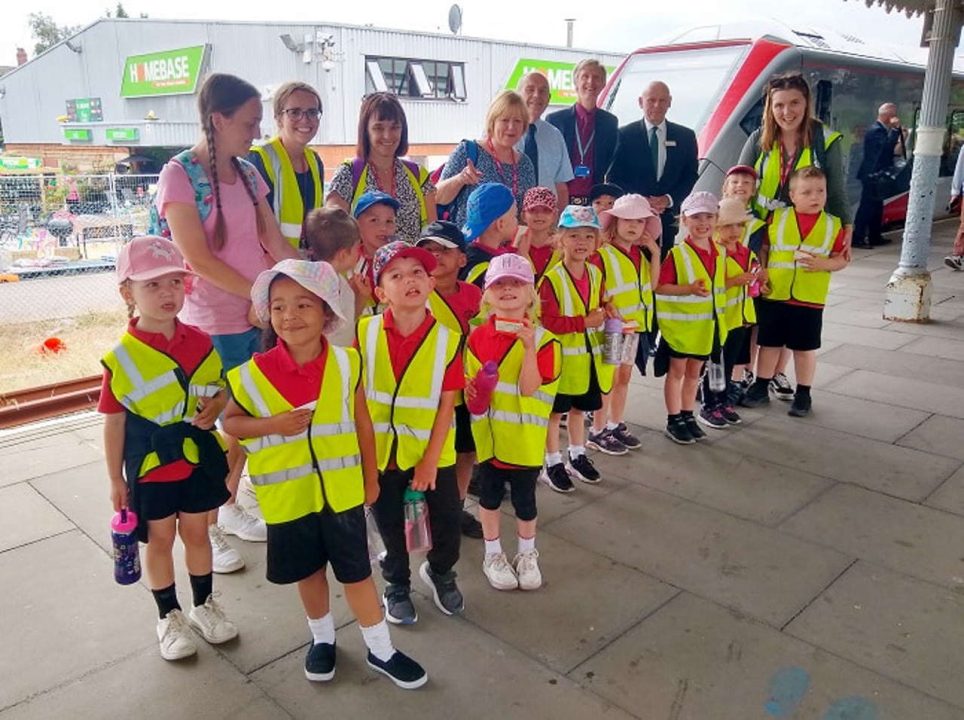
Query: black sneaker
[629, 440]
[800, 407]
[558, 479]
[320, 662]
[471, 527]
[399, 609]
[564, 421]
[581, 466]
[756, 395]
[445, 592]
[781, 387]
[605, 442]
[713, 417]
[400, 669]
[694, 427]
[677, 431]
[731, 416]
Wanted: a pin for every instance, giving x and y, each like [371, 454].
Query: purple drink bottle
[127, 554]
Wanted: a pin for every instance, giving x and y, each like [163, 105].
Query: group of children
[374, 352]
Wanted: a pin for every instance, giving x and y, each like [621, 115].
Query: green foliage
[47, 32]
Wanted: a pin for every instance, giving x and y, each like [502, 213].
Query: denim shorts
[237, 349]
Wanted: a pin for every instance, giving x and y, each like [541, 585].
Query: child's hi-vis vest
[289, 207]
[788, 280]
[150, 385]
[580, 350]
[296, 475]
[752, 225]
[513, 430]
[740, 309]
[630, 290]
[688, 322]
[403, 412]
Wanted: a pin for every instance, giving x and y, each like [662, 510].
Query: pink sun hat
[633, 207]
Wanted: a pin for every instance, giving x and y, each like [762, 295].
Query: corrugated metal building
[122, 84]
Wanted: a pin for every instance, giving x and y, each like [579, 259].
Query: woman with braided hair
[214, 204]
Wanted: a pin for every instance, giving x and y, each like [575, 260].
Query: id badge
[581, 171]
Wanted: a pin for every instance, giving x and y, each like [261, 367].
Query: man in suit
[543, 143]
[589, 132]
[656, 158]
[880, 141]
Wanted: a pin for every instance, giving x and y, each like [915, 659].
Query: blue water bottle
[127, 552]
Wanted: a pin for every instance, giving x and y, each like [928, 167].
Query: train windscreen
[695, 78]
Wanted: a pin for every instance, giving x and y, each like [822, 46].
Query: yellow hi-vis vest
[296, 475]
[787, 279]
[687, 321]
[149, 384]
[768, 169]
[630, 290]
[403, 412]
[415, 182]
[513, 429]
[444, 313]
[740, 309]
[752, 225]
[289, 207]
[580, 351]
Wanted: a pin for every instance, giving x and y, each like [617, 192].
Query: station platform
[784, 569]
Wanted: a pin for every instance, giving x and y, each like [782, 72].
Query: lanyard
[584, 149]
[498, 168]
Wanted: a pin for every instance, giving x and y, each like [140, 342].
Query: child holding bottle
[536, 240]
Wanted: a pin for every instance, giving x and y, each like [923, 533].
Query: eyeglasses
[298, 113]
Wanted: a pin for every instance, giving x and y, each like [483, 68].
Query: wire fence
[59, 239]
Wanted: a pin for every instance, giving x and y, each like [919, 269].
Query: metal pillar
[908, 293]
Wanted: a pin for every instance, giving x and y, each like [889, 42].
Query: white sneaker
[527, 569]
[499, 573]
[235, 520]
[224, 558]
[175, 639]
[209, 620]
[954, 262]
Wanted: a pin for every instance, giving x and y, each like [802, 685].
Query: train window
[753, 118]
[823, 99]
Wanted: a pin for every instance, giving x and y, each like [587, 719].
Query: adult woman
[382, 141]
[497, 160]
[294, 174]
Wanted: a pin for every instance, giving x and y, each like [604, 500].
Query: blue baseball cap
[577, 216]
[487, 203]
[373, 197]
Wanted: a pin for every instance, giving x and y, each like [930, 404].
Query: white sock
[493, 547]
[576, 450]
[612, 425]
[553, 458]
[323, 629]
[379, 641]
[527, 544]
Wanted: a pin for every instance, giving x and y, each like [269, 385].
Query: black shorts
[302, 547]
[589, 401]
[464, 442]
[792, 326]
[197, 494]
[522, 487]
[736, 349]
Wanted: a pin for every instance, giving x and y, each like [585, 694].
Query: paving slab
[938, 434]
[59, 594]
[44, 455]
[899, 627]
[950, 329]
[897, 363]
[865, 418]
[950, 495]
[694, 660]
[82, 493]
[26, 517]
[759, 571]
[912, 393]
[937, 347]
[471, 675]
[803, 445]
[884, 339]
[909, 538]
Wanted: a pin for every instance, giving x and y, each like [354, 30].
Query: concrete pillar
[908, 293]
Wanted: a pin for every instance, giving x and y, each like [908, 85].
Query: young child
[742, 268]
[412, 366]
[454, 303]
[331, 236]
[603, 196]
[510, 435]
[162, 392]
[629, 261]
[375, 214]
[690, 305]
[573, 309]
[806, 245]
[302, 418]
[490, 225]
[536, 240]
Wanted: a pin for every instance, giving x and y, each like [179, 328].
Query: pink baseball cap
[539, 197]
[509, 265]
[700, 202]
[633, 207]
[148, 257]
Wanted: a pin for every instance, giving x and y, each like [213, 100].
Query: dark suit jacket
[604, 142]
[879, 142]
[633, 170]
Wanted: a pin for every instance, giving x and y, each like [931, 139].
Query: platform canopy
[909, 7]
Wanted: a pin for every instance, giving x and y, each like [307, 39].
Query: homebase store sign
[561, 81]
[171, 72]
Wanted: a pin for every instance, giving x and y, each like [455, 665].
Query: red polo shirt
[401, 349]
[541, 257]
[298, 384]
[464, 302]
[667, 271]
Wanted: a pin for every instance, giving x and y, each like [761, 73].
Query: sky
[537, 22]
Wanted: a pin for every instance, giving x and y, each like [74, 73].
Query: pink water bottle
[127, 554]
[484, 384]
[754, 289]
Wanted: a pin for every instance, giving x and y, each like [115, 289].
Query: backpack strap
[357, 168]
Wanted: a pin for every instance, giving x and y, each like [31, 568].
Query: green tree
[119, 12]
[47, 32]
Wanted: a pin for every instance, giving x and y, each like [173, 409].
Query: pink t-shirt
[208, 307]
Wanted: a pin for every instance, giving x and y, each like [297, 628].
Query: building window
[405, 77]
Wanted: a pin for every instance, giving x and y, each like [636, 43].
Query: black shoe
[694, 427]
[757, 395]
[400, 669]
[320, 662]
[558, 479]
[445, 592]
[399, 609]
[677, 431]
[475, 484]
[471, 527]
[581, 466]
[628, 440]
[800, 407]
[605, 442]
